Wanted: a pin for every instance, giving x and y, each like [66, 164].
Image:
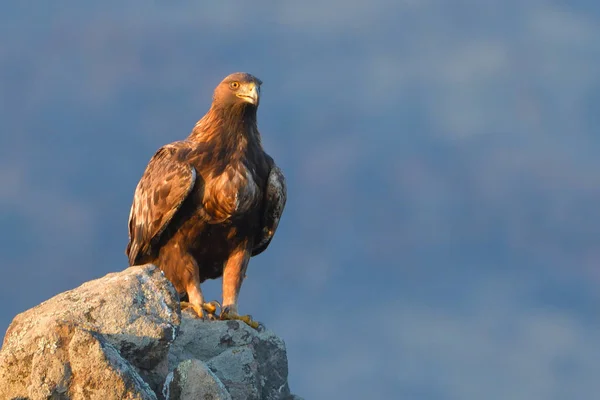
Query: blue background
[442, 234]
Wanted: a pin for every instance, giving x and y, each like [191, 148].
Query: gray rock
[99, 372]
[193, 380]
[136, 311]
[251, 364]
[238, 370]
[70, 363]
[124, 337]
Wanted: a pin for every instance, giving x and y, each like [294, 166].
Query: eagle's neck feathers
[229, 126]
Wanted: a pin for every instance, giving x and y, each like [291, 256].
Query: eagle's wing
[273, 203]
[166, 183]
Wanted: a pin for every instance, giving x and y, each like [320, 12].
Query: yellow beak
[250, 93]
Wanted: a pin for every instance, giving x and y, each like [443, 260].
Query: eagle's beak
[249, 93]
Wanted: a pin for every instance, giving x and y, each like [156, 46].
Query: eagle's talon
[206, 311]
[210, 317]
[228, 314]
[211, 307]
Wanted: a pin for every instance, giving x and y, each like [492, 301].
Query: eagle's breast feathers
[231, 193]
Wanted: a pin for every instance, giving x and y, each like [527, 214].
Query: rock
[192, 379]
[71, 363]
[124, 337]
[237, 369]
[99, 372]
[251, 364]
[136, 311]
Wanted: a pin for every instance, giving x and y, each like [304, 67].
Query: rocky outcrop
[123, 337]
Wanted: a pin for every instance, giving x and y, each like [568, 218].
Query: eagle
[207, 204]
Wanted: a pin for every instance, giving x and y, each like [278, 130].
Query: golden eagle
[206, 204]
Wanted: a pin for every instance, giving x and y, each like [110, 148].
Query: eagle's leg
[195, 297]
[233, 276]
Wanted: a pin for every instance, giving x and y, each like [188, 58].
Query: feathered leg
[233, 276]
[182, 270]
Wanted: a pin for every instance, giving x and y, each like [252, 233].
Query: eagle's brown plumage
[206, 204]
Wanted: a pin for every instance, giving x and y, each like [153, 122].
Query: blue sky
[441, 237]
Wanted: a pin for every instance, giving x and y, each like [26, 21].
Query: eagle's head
[238, 88]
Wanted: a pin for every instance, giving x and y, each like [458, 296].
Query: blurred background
[442, 234]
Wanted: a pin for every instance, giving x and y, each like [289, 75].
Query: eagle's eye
[234, 85]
